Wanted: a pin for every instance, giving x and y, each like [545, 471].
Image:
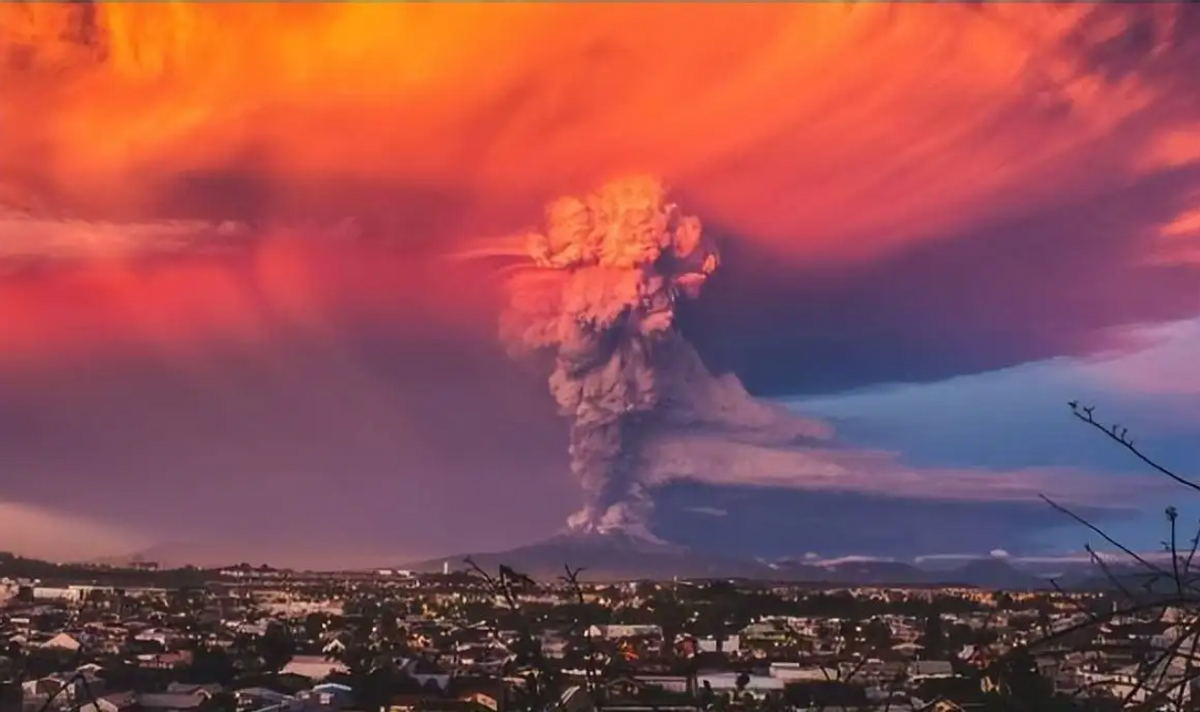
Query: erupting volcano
[238, 254]
[598, 289]
[612, 265]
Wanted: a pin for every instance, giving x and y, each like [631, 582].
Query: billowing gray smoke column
[607, 272]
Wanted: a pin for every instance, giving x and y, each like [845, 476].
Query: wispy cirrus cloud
[712, 460]
[1162, 361]
[26, 238]
[548, 97]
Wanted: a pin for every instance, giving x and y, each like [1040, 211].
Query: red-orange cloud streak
[180, 304]
[819, 127]
[818, 131]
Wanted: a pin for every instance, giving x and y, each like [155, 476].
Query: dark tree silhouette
[541, 680]
[933, 639]
[209, 665]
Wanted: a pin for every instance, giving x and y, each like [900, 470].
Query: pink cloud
[40, 532]
[724, 461]
[1178, 242]
[1160, 360]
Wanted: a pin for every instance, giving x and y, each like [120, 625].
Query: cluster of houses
[297, 645]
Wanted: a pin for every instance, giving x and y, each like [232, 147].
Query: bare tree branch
[1120, 435]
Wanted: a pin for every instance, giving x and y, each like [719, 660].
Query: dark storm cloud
[1046, 284]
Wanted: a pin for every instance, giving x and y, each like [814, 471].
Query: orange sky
[924, 113]
[820, 131]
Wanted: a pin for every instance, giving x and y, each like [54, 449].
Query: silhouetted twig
[571, 578]
[1120, 434]
[540, 679]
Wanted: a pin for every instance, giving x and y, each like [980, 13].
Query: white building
[313, 667]
[47, 593]
[725, 681]
[796, 672]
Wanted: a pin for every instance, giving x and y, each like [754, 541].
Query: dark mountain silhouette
[618, 556]
[894, 572]
[280, 554]
[994, 573]
[608, 556]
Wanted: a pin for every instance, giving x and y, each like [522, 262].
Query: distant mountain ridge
[217, 554]
[610, 556]
[619, 556]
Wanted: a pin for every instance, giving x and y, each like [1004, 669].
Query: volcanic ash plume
[606, 275]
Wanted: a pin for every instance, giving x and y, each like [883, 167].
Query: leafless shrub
[1158, 591]
[541, 684]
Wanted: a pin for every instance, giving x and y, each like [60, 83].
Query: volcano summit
[598, 290]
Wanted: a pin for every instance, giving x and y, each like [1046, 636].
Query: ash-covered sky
[996, 205]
